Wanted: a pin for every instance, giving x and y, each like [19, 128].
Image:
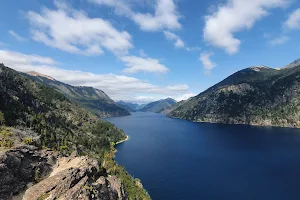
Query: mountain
[88, 97]
[158, 106]
[131, 107]
[40, 128]
[256, 95]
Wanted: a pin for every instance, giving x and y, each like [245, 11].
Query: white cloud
[16, 36]
[73, 31]
[165, 16]
[116, 86]
[235, 16]
[193, 48]
[178, 43]
[14, 59]
[293, 22]
[206, 61]
[279, 40]
[143, 53]
[185, 96]
[143, 64]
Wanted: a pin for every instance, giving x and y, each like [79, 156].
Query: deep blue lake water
[177, 159]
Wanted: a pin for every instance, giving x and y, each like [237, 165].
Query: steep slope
[158, 106]
[131, 107]
[36, 114]
[90, 98]
[256, 95]
[61, 123]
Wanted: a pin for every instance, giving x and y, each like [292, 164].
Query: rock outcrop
[21, 166]
[77, 178]
[48, 175]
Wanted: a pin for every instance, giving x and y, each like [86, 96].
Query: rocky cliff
[48, 175]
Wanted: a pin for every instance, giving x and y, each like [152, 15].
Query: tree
[2, 119]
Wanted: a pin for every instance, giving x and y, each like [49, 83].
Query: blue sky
[145, 50]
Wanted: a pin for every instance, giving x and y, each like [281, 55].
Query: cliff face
[47, 175]
[256, 96]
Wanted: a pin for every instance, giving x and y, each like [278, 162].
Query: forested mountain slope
[90, 98]
[45, 118]
[256, 95]
[158, 106]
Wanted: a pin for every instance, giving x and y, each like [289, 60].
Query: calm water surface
[177, 159]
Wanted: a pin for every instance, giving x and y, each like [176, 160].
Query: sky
[145, 50]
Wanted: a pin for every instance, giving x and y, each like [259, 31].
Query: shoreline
[236, 123]
[126, 139]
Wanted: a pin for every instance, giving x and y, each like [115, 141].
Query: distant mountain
[90, 98]
[256, 95]
[131, 107]
[169, 109]
[159, 106]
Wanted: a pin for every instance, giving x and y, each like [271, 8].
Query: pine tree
[2, 119]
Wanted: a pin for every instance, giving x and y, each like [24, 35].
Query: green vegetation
[5, 137]
[159, 106]
[2, 119]
[132, 186]
[61, 124]
[44, 196]
[90, 98]
[28, 140]
[257, 96]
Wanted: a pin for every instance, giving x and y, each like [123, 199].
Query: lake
[178, 159]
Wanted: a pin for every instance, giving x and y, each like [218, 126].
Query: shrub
[2, 119]
[28, 140]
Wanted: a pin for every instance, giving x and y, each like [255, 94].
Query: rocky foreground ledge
[29, 174]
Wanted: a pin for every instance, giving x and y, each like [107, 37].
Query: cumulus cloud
[143, 64]
[185, 96]
[293, 22]
[73, 31]
[16, 36]
[178, 43]
[206, 61]
[165, 15]
[235, 16]
[118, 87]
[279, 40]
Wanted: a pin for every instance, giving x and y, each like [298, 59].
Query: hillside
[256, 95]
[158, 106]
[34, 114]
[90, 98]
[131, 107]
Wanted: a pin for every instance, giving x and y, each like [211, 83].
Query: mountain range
[159, 106]
[131, 107]
[90, 98]
[257, 95]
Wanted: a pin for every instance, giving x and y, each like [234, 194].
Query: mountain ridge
[159, 106]
[90, 98]
[256, 96]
